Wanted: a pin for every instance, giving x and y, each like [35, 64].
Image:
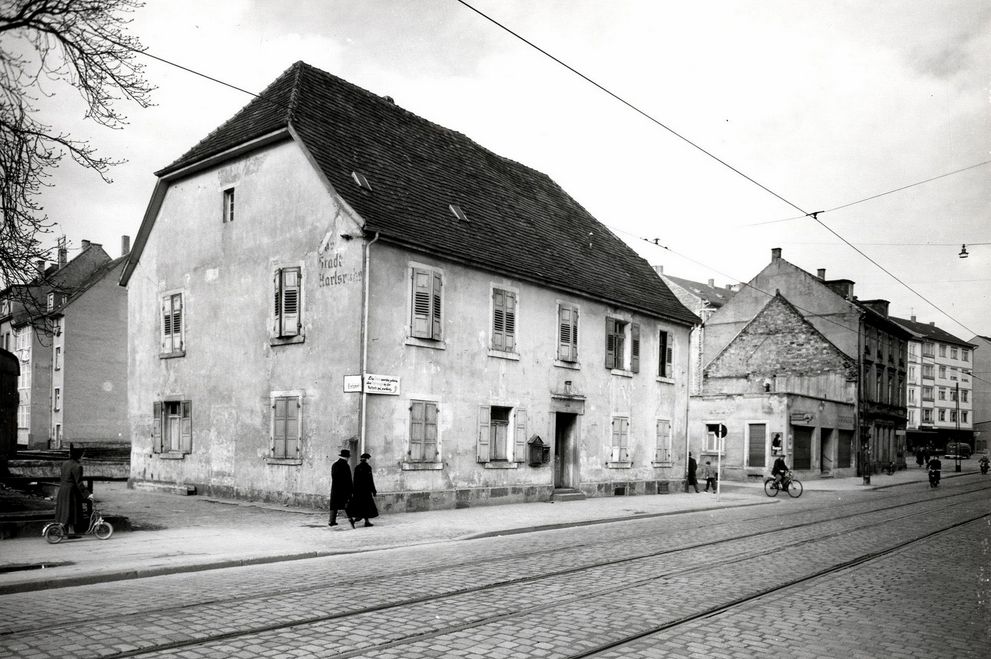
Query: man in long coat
[363, 502]
[341, 487]
[71, 494]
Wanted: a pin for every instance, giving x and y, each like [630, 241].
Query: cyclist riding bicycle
[779, 470]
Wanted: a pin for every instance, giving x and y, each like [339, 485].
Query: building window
[911, 373]
[503, 320]
[57, 325]
[942, 393]
[953, 416]
[501, 435]
[927, 393]
[58, 434]
[927, 371]
[619, 448]
[619, 334]
[288, 302]
[426, 305]
[665, 355]
[172, 427]
[423, 432]
[963, 416]
[942, 415]
[757, 445]
[712, 439]
[57, 400]
[58, 358]
[953, 394]
[927, 416]
[942, 350]
[229, 205]
[963, 395]
[662, 445]
[911, 395]
[942, 372]
[173, 340]
[567, 335]
[953, 353]
[51, 301]
[928, 349]
[287, 426]
[965, 355]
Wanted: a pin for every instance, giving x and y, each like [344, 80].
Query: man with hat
[340, 487]
[363, 502]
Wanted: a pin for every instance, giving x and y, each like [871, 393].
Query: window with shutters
[426, 295]
[662, 443]
[567, 334]
[172, 428]
[665, 355]
[173, 335]
[504, 308]
[619, 443]
[287, 326]
[286, 428]
[424, 445]
[57, 400]
[501, 440]
[622, 345]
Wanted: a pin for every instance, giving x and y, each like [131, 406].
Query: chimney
[932, 323]
[62, 257]
[85, 245]
[879, 306]
[125, 245]
[712, 283]
[775, 253]
[821, 273]
[913, 318]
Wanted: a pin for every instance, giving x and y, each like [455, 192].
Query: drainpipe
[364, 340]
[688, 398]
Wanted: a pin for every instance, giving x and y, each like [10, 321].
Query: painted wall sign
[801, 417]
[332, 274]
[352, 384]
[382, 384]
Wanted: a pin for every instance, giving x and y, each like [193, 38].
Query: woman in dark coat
[71, 494]
[363, 502]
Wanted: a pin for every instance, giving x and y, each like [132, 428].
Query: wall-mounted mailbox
[537, 452]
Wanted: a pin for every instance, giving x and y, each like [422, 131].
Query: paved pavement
[175, 533]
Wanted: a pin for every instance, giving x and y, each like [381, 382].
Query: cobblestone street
[899, 572]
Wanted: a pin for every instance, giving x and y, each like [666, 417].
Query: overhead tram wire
[652, 119]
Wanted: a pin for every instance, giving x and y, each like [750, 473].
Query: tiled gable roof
[520, 223]
[931, 332]
[714, 295]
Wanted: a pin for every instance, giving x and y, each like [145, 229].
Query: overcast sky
[823, 102]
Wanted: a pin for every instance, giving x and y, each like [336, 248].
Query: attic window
[458, 213]
[362, 182]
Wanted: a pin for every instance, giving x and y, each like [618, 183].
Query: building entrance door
[565, 451]
[802, 458]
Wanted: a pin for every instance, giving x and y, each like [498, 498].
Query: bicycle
[56, 532]
[788, 483]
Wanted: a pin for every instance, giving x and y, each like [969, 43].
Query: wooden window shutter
[635, 347]
[498, 319]
[166, 336]
[293, 420]
[663, 445]
[186, 428]
[277, 443]
[519, 437]
[277, 315]
[156, 428]
[291, 281]
[510, 321]
[482, 445]
[422, 325]
[430, 450]
[610, 343]
[436, 324]
[177, 323]
[567, 345]
[417, 433]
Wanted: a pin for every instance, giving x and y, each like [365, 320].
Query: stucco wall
[285, 216]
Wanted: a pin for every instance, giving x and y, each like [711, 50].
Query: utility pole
[957, 398]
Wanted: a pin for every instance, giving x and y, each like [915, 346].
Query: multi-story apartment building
[354, 276]
[940, 386]
[68, 329]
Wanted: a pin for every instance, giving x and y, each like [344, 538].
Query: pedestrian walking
[709, 474]
[919, 458]
[341, 487]
[693, 480]
[71, 494]
[362, 504]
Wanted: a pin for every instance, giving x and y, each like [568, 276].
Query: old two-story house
[702, 299]
[327, 270]
[778, 388]
[68, 329]
[940, 389]
[862, 331]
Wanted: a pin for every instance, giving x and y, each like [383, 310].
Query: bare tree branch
[81, 43]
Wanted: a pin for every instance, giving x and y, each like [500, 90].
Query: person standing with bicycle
[71, 494]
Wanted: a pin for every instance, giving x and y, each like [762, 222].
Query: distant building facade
[981, 382]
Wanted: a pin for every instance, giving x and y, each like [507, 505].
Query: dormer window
[362, 182]
[458, 213]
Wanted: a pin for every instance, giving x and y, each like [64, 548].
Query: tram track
[298, 622]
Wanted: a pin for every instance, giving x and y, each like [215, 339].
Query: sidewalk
[173, 533]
